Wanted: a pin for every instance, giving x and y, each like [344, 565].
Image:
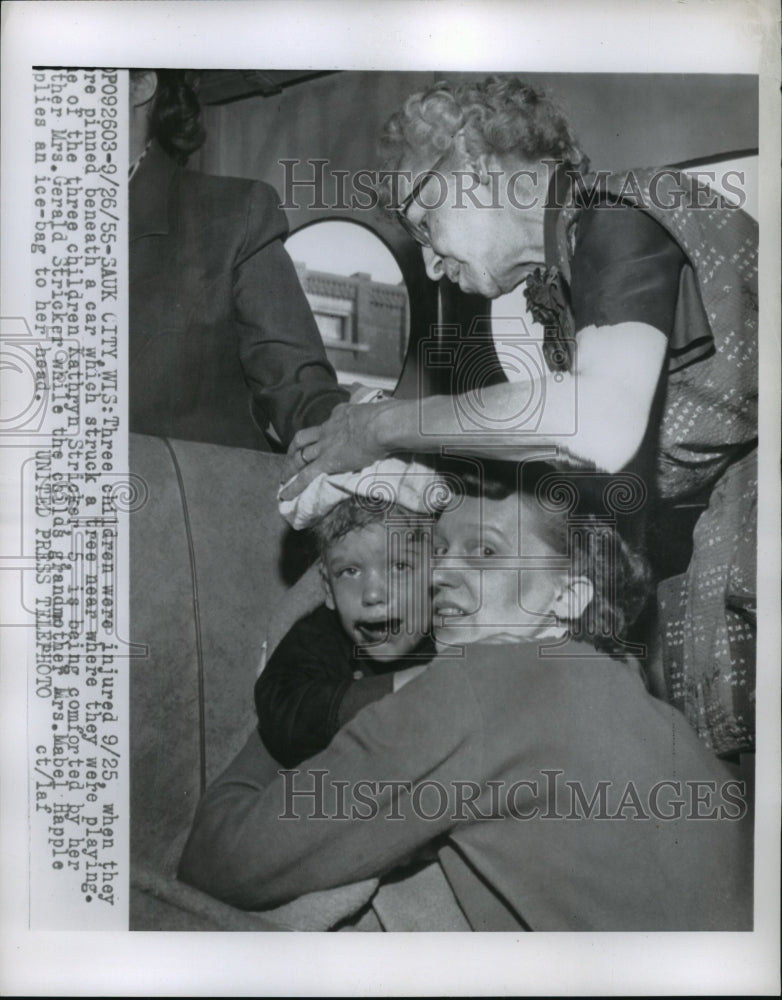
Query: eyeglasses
[418, 230]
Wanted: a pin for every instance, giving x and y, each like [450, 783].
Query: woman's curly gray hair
[499, 115]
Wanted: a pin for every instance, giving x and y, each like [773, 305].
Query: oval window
[358, 297]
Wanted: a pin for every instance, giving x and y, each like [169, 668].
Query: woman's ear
[143, 84]
[572, 597]
[480, 166]
[328, 593]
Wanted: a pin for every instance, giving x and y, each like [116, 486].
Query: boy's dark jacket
[315, 681]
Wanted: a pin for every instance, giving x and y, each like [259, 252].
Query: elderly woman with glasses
[646, 284]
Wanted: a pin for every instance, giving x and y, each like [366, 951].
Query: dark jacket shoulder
[214, 210]
[252, 204]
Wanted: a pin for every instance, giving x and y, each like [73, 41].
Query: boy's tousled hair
[566, 509]
[356, 512]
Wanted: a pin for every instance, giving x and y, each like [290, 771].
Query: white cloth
[390, 480]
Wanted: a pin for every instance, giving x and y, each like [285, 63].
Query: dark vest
[709, 411]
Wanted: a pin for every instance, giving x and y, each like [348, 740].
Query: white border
[736, 36]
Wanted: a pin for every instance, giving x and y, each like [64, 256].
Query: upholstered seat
[207, 579]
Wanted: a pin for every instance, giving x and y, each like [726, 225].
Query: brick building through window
[364, 324]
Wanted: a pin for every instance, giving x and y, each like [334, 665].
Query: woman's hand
[603, 424]
[351, 439]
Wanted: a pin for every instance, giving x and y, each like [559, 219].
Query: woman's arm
[337, 820]
[597, 414]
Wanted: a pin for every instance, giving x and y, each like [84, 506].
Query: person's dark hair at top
[356, 512]
[620, 576]
[175, 116]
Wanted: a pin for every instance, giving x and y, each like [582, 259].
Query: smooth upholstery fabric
[221, 600]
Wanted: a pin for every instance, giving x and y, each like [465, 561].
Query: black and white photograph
[391, 444]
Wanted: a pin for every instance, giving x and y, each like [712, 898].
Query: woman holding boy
[558, 793]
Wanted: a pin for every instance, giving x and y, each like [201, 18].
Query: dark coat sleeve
[216, 309]
[297, 697]
[293, 384]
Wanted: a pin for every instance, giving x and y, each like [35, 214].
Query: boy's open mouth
[373, 631]
[448, 610]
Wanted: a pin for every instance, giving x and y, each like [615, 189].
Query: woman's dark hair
[571, 524]
[175, 116]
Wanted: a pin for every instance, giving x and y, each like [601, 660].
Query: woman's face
[480, 240]
[495, 578]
